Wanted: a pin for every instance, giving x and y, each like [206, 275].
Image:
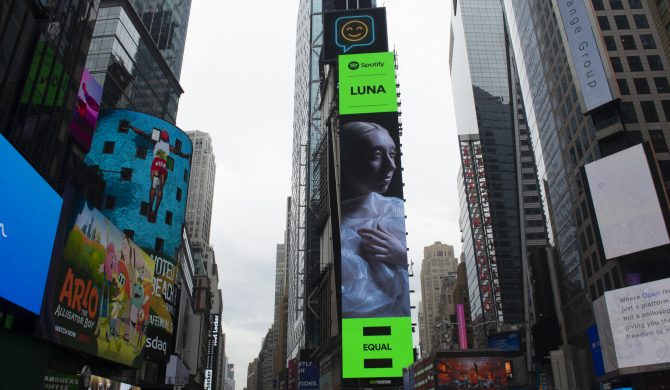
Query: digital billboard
[367, 83]
[101, 290]
[163, 310]
[489, 373]
[146, 164]
[28, 221]
[376, 322]
[85, 111]
[354, 31]
[628, 212]
[47, 82]
[634, 325]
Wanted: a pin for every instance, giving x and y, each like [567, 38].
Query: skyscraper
[437, 264]
[201, 188]
[501, 214]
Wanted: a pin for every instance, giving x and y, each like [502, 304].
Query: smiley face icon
[355, 30]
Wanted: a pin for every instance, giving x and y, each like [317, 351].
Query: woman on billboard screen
[372, 230]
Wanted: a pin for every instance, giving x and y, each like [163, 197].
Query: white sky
[238, 75]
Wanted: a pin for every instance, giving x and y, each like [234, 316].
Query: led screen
[146, 164]
[102, 298]
[46, 83]
[473, 373]
[85, 111]
[367, 83]
[376, 322]
[29, 212]
[626, 203]
[634, 325]
[354, 31]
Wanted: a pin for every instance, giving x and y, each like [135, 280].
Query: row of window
[110, 204]
[599, 5]
[622, 22]
[642, 85]
[628, 42]
[141, 153]
[635, 63]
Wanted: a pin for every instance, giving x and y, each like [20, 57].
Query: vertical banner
[462, 331]
[308, 375]
[85, 112]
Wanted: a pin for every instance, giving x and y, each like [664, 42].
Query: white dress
[372, 289]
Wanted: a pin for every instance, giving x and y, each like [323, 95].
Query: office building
[201, 188]
[571, 127]
[437, 265]
[501, 213]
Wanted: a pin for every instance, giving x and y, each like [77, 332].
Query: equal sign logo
[375, 345]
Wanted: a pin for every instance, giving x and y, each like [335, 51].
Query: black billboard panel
[354, 31]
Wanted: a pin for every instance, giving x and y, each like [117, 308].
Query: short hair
[351, 134]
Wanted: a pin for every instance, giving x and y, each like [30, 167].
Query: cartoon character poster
[486, 373]
[85, 111]
[102, 289]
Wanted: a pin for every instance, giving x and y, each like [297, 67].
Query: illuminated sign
[367, 83]
[473, 373]
[85, 112]
[354, 31]
[47, 82]
[29, 213]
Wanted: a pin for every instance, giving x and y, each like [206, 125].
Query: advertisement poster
[28, 222]
[308, 375]
[47, 82]
[367, 83]
[103, 288]
[85, 111]
[485, 373]
[163, 310]
[146, 163]
[354, 31]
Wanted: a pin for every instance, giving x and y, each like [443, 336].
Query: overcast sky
[238, 75]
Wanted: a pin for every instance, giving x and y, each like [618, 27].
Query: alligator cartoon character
[138, 299]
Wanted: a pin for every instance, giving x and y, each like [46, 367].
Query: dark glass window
[628, 42]
[598, 5]
[610, 43]
[623, 86]
[108, 147]
[655, 62]
[141, 152]
[658, 141]
[649, 111]
[608, 283]
[185, 176]
[604, 22]
[621, 22]
[641, 21]
[168, 218]
[648, 41]
[616, 64]
[616, 4]
[177, 146]
[642, 86]
[662, 85]
[666, 109]
[110, 202]
[123, 126]
[635, 4]
[170, 163]
[628, 112]
[158, 247]
[129, 233]
[179, 194]
[126, 174]
[144, 208]
[634, 64]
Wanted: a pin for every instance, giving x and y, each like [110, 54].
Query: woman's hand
[380, 245]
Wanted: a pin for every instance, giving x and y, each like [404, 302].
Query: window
[179, 194]
[168, 218]
[666, 109]
[158, 247]
[177, 146]
[658, 141]
[170, 163]
[615, 277]
[616, 64]
[628, 112]
[141, 152]
[129, 233]
[635, 4]
[110, 202]
[604, 22]
[623, 86]
[608, 283]
[628, 42]
[108, 147]
[123, 126]
[634, 64]
[648, 41]
[126, 174]
[642, 86]
[655, 62]
[610, 43]
[185, 176]
[616, 4]
[597, 5]
[144, 208]
[641, 21]
[662, 85]
[621, 22]
[649, 111]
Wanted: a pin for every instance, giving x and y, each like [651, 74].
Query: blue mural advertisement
[146, 164]
[29, 213]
